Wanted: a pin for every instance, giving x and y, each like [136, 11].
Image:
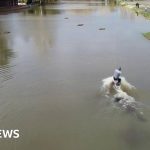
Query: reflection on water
[52, 98]
[56, 9]
[5, 53]
[5, 57]
[42, 11]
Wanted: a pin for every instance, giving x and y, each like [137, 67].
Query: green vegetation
[142, 12]
[122, 3]
[147, 35]
[139, 11]
[146, 14]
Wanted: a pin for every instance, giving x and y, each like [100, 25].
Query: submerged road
[52, 60]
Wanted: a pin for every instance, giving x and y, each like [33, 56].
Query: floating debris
[66, 18]
[80, 24]
[6, 32]
[102, 28]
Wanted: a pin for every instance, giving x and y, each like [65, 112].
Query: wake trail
[122, 95]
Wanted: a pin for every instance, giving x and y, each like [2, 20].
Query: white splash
[108, 86]
[121, 95]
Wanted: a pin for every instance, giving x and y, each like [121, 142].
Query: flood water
[52, 61]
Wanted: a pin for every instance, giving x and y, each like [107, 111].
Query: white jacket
[117, 74]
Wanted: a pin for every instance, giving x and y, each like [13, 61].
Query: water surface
[50, 73]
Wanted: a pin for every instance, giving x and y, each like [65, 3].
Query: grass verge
[147, 35]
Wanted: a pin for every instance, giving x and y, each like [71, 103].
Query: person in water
[116, 76]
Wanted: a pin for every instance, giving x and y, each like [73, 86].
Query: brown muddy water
[52, 61]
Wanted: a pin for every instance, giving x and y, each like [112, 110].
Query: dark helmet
[119, 68]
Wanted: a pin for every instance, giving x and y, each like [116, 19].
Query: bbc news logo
[9, 134]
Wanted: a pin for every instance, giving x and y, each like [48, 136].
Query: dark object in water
[137, 5]
[80, 24]
[117, 99]
[6, 32]
[66, 18]
[101, 28]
